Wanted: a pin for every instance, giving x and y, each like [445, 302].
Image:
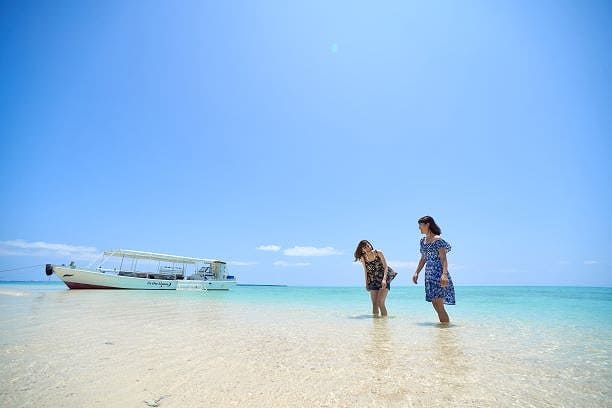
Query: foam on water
[258, 346]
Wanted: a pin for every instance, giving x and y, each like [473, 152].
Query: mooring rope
[21, 267]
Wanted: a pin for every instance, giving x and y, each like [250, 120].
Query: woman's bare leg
[380, 300]
[373, 296]
[438, 304]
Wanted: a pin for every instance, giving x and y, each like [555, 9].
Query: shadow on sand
[436, 324]
[370, 316]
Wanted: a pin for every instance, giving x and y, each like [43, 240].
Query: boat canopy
[127, 253]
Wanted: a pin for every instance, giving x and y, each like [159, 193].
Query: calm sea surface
[296, 347]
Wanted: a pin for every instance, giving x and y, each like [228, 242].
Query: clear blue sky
[215, 128]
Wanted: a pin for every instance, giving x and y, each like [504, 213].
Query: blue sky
[276, 136]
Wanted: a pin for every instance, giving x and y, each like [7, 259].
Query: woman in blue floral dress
[439, 289]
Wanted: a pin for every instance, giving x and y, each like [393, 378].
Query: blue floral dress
[433, 272]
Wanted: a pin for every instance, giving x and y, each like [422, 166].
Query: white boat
[146, 270]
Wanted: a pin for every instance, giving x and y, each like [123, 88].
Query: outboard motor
[49, 269]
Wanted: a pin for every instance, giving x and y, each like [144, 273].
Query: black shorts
[376, 285]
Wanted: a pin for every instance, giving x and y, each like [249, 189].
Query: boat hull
[76, 278]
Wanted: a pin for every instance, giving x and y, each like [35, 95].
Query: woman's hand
[383, 284]
[420, 266]
[444, 280]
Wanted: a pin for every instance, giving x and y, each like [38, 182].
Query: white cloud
[311, 251]
[242, 263]
[19, 247]
[590, 262]
[9, 252]
[286, 264]
[271, 248]
[403, 264]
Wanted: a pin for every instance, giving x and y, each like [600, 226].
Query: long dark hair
[433, 227]
[359, 249]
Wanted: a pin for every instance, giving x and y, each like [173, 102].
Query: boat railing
[149, 275]
[209, 271]
[171, 269]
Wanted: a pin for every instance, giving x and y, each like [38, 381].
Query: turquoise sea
[304, 346]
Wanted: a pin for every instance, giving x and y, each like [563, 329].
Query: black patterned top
[376, 271]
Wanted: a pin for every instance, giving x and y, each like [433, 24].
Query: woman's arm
[444, 278]
[365, 271]
[384, 262]
[415, 277]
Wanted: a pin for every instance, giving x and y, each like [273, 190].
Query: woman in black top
[378, 275]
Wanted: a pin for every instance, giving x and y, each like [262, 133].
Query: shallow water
[290, 347]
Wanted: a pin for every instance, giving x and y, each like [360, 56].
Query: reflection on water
[385, 354]
[379, 347]
[448, 353]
